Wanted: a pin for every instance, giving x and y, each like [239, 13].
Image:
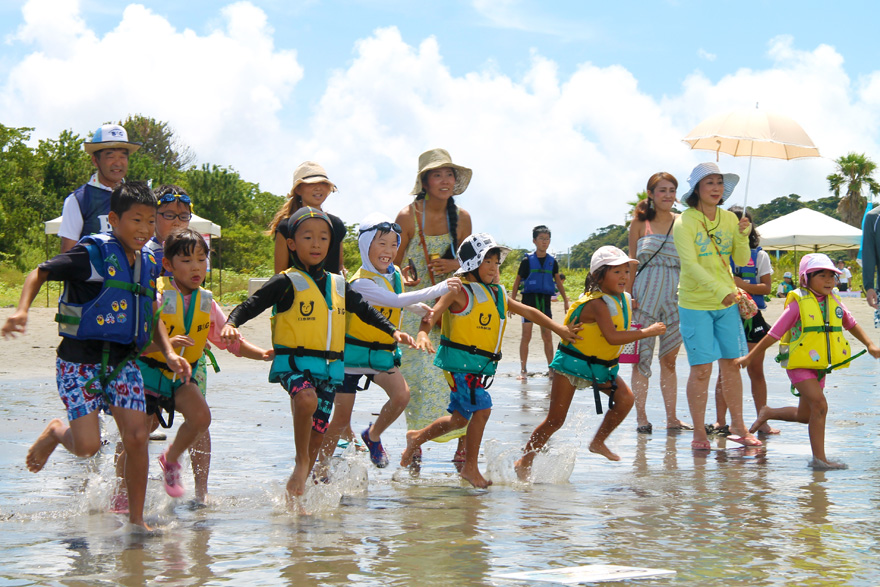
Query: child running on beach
[192, 318]
[473, 327]
[604, 312]
[308, 333]
[369, 352]
[174, 213]
[810, 333]
[539, 273]
[105, 318]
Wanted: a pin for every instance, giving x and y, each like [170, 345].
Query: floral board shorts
[125, 391]
[296, 382]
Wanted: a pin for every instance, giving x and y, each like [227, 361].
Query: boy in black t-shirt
[539, 274]
[105, 315]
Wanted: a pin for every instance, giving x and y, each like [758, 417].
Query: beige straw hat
[435, 159]
[310, 172]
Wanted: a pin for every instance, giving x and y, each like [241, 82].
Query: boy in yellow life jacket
[810, 334]
[470, 348]
[192, 318]
[370, 353]
[604, 311]
[308, 333]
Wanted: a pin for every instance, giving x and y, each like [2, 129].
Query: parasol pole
[748, 176]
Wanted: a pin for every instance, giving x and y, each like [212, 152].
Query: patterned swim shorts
[296, 382]
[125, 391]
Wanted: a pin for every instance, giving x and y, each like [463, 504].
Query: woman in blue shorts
[706, 238]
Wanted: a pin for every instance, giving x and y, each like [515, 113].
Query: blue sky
[563, 109]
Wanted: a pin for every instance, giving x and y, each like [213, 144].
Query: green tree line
[35, 180]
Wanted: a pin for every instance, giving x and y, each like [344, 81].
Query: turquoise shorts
[709, 335]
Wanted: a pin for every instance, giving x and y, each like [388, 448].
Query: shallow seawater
[734, 516]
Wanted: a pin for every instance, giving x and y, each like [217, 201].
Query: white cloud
[564, 150]
[703, 54]
[222, 92]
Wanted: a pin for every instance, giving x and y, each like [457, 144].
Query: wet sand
[732, 516]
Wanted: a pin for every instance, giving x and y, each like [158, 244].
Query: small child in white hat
[604, 313]
[811, 345]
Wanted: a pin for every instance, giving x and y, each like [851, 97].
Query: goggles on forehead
[382, 227]
[168, 198]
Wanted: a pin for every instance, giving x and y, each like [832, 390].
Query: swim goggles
[168, 198]
[382, 227]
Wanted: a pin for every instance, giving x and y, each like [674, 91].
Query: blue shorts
[125, 391]
[709, 335]
[460, 396]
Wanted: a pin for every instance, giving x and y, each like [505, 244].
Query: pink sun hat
[815, 262]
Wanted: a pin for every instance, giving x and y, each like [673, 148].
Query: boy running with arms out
[473, 326]
[105, 318]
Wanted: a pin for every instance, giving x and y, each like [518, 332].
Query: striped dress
[656, 292]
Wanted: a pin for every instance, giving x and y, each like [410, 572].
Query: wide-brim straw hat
[110, 136]
[706, 169]
[310, 172]
[436, 159]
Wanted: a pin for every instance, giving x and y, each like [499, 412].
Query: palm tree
[855, 172]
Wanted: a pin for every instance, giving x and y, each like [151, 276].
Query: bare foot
[826, 465]
[475, 478]
[678, 425]
[523, 376]
[523, 470]
[600, 449]
[767, 429]
[44, 446]
[762, 419]
[407, 456]
[296, 485]
[141, 529]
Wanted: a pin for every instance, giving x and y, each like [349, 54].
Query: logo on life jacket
[386, 312]
[302, 308]
[488, 319]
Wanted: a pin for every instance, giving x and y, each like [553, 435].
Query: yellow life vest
[193, 321]
[310, 335]
[366, 346]
[816, 341]
[470, 340]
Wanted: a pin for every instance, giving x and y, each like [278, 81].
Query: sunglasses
[170, 216]
[383, 227]
[168, 198]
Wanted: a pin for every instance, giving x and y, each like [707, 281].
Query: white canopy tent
[203, 225]
[809, 230]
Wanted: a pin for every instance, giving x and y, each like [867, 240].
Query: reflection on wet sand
[729, 516]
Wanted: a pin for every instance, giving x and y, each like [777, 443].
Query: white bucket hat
[310, 172]
[435, 159]
[473, 250]
[705, 169]
[815, 262]
[608, 255]
[110, 136]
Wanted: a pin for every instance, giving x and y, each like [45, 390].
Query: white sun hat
[608, 255]
[705, 169]
[110, 136]
[473, 250]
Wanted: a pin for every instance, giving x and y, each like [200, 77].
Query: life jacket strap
[469, 348]
[304, 352]
[372, 345]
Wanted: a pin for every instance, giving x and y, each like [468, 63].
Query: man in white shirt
[85, 210]
[844, 278]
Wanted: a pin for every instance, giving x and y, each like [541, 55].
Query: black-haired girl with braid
[432, 227]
